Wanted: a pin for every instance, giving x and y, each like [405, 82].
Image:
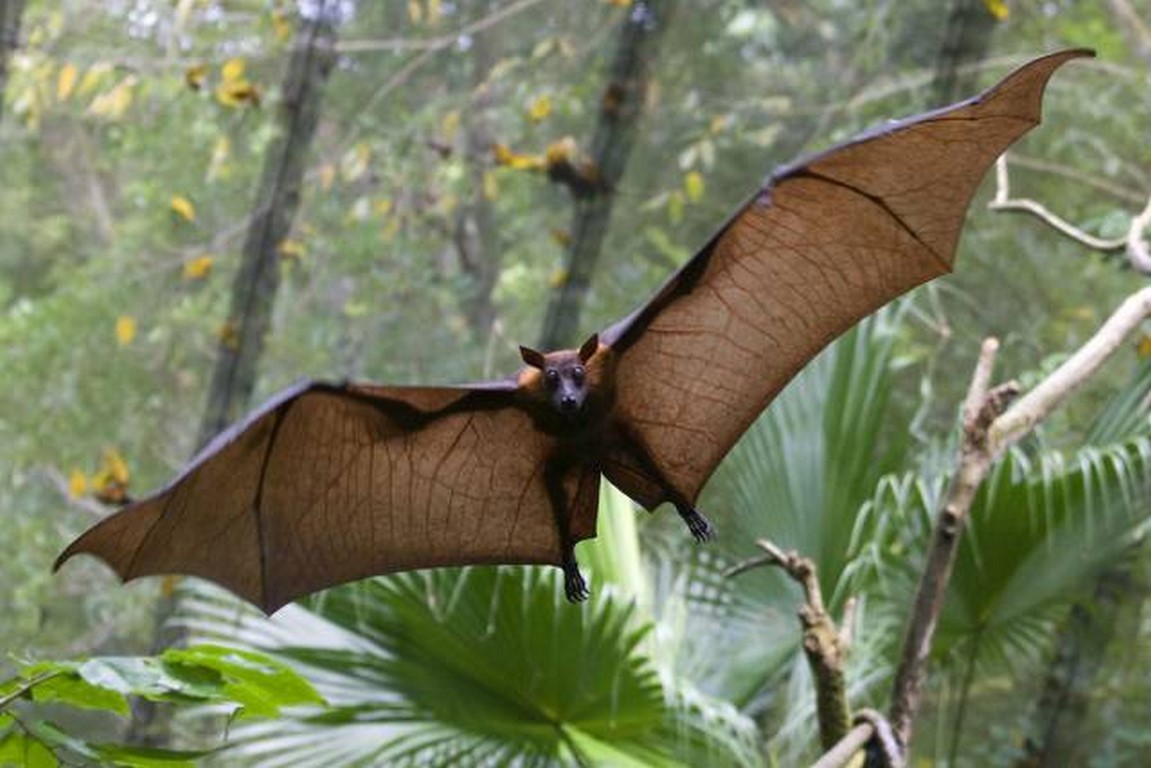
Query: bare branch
[1049, 394]
[979, 411]
[823, 643]
[1132, 242]
[847, 747]
[1138, 249]
[1003, 202]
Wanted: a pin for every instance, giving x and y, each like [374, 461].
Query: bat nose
[568, 403]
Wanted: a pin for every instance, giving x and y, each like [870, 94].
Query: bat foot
[699, 525]
[574, 585]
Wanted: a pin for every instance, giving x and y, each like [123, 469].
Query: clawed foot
[574, 586]
[699, 526]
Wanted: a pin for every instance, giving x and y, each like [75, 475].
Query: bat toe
[700, 527]
[575, 588]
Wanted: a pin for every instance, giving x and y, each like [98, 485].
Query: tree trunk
[1056, 735]
[11, 12]
[254, 289]
[477, 238]
[966, 40]
[620, 110]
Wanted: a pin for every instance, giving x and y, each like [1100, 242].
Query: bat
[331, 482]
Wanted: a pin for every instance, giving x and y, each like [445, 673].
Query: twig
[1003, 202]
[846, 748]
[823, 644]
[1133, 242]
[43, 677]
[1050, 393]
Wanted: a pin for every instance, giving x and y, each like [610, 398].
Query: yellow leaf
[619, 3]
[560, 151]
[233, 93]
[415, 11]
[561, 236]
[65, 82]
[693, 186]
[125, 330]
[113, 104]
[718, 124]
[1144, 348]
[77, 484]
[116, 467]
[450, 124]
[281, 25]
[291, 249]
[198, 268]
[433, 11]
[219, 166]
[491, 186]
[93, 77]
[233, 70]
[110, 483]
[355, 162]
[540, 108]
[998, 8]
[327, 176]
[558, 278]
[194, 76]
[168, 586]
[184, 208]
[229, 335]
[382, 207]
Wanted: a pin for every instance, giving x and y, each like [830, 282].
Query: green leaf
[18, 749]
[150, 757]
[73, 690]
[259, 683]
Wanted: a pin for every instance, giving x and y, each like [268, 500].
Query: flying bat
[330, 482]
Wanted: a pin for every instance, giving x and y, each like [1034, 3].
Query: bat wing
[824, 243]
[329, 483]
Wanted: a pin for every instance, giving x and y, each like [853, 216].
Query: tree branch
[1049, 394]
[980, 408]
[1133, 242]
[823, 644]
[620, 109]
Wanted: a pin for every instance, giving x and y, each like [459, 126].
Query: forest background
[136, 142]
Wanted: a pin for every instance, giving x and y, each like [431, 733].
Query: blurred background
[140, 143]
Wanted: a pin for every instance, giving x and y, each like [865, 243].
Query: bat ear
[589, 348]
[532, 357]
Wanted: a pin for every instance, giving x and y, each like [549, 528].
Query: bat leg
[575, 588]
[700, 527]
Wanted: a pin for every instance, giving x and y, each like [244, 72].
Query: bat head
[563, 375]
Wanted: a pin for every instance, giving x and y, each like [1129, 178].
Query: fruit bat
[327, 483]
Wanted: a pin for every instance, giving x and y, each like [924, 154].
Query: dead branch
[982, 405]
[1049, 394]
[823, 644]
[1133, 242]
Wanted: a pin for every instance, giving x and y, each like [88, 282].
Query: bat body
[327, 483]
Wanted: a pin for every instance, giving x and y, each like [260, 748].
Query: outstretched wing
[329, 483]
[825, 242]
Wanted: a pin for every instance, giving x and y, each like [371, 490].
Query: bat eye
[578, 374]
[552, 376]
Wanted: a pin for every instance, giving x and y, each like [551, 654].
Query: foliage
[249, 684]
